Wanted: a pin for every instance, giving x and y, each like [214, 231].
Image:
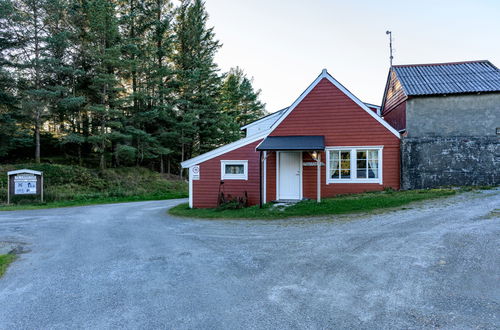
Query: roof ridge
[443, 63]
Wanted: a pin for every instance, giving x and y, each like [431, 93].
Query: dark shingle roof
[448, 78]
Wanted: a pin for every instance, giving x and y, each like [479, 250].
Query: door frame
[301, 170]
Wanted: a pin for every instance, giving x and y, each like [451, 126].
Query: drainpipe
[260, 179]
[318, 177]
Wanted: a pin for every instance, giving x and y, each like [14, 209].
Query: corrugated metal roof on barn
[448, 78]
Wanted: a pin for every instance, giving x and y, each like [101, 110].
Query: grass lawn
[5, 261]
[329, 206]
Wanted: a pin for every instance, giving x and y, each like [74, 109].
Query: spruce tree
[13, 134]
[104, 54]
[29, 27]
[239, 102]
[197, 80]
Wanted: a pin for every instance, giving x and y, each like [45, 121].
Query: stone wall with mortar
[429, 162]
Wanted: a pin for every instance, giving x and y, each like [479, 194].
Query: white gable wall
[261, 125]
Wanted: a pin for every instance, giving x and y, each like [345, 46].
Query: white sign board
[195, 172]
[313, 164]
[24, 184]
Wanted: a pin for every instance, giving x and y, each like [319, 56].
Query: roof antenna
[390, 45]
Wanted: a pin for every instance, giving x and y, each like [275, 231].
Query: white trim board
[229, 176]
[190, 189]
[353, 159]
[258, 121]
[24, 171]
[325, 74]
[222, 150]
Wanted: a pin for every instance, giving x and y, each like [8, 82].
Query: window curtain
[373, 163]
[334, 163]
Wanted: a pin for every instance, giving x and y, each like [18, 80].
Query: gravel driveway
[434, 264]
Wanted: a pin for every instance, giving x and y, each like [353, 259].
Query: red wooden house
[326, 143]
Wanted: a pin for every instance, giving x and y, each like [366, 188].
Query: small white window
[234, 169]
[354, 164]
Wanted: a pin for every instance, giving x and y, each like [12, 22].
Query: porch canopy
[289, 143]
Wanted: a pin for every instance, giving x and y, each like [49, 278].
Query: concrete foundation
[449, 161]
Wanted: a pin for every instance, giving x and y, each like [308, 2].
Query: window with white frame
[354, 164]
[234, 169]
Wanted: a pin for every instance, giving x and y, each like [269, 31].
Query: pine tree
[239, 102]
[12, 131]
[61, 75]
[198, 80]
[104, 54]
[28, 57]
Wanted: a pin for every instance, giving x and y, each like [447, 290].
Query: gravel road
[431, 265]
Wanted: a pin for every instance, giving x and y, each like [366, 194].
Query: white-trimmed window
[354, 165]
[234, 169]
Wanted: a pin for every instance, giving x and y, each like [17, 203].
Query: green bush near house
[330, 206]
[66, 185]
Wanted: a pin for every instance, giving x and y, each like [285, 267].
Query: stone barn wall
[429, 162]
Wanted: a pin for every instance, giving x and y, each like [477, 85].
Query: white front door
[290, 176]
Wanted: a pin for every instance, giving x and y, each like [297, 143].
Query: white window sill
[354, 181]
[234, 178]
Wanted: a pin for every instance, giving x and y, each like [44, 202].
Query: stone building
[449, 118]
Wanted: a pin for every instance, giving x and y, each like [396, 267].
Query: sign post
[24, 182]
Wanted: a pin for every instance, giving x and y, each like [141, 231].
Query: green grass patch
[330, 206]
[5, 261]
[67, 185]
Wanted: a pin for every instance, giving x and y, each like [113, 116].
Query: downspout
[260, 179]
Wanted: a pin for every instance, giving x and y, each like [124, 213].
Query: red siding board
[206, 190]
[397, 116]
[394, 107]
[324, 111]
[328, 111]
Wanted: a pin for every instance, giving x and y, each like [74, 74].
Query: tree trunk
[80, 160]
[36, 37]
[37, 140]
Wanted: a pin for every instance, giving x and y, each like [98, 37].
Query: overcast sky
[284, 45]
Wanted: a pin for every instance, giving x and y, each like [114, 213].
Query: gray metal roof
[448, 78]
[301, 142]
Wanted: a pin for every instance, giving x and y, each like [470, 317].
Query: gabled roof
[280, 112]
[285, 112]
[325, 75]
[448, 78]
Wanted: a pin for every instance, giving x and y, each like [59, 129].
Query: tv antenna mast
[390, 45]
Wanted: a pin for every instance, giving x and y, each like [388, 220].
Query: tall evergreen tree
[239, 102]
[104, 54]
[198, 80]
[61, 74]
[12, 131]
[28, 57]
